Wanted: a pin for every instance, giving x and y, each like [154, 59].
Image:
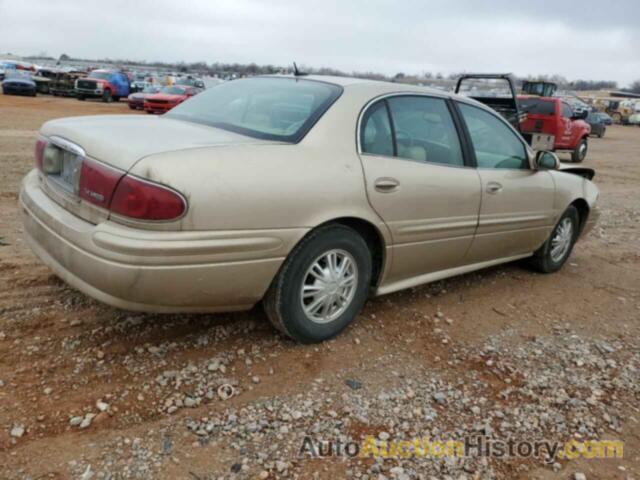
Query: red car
[553, 116]
[136, 100]
[167, 98]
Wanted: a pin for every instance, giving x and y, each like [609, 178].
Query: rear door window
[424, 130]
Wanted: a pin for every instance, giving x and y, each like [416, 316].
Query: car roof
[382, 86]
[377, 88]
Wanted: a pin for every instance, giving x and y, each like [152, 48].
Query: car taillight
[41, 144]
[97, 182]
[144, 200]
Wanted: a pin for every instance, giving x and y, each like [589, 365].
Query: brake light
[97, 182]
[41, 144]
[140, 199]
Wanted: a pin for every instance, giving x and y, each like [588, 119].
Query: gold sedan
[307, 193]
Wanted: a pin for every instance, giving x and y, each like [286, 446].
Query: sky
[585, 39]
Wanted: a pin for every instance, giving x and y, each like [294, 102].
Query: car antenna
[296, 72]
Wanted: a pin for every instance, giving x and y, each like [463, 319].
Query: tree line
[225, 70]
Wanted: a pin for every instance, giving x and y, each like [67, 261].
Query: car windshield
[151, 89]
[173, 90]
[100, 75]
[17, 74]
[269, 108]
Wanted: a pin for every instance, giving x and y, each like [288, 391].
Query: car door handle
[386, 184]
[494, 187]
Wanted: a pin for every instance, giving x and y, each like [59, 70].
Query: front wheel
[106, 96]
[321, 286]
[579, 154]
[553, 254]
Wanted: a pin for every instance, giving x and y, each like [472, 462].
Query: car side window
[567, 111]
[494, 143]
[376, 131]
[424, 130]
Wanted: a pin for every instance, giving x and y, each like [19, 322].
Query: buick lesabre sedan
[306, 193]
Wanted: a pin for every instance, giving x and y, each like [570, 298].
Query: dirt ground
[477, 338]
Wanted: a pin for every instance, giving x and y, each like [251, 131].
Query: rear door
[417, 180]
[517, 207]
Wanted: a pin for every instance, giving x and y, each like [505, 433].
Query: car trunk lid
[121, 140]
[118, 142]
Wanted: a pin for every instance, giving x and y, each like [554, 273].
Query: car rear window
[269, 108]
[536, 106]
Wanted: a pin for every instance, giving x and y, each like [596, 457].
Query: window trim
[527, 150]
[468, 161]
[562, 105]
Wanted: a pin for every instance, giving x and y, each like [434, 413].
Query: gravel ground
[90, 392]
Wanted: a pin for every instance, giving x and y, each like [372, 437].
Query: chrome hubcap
[329, 286]
[561, 241]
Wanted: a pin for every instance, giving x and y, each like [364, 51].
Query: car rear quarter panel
[261, 187]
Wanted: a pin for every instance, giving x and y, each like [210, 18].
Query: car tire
[579, 154]
[553, 254]
[132, 107]
[116, 98]
[106, 96]
[81, 98]
[325, 252]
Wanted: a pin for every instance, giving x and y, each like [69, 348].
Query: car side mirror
[547, 160]
[580, 115]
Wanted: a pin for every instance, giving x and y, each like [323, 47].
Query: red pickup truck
[553, 116]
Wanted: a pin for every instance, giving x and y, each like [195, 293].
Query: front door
[517, 208]
[417, 181]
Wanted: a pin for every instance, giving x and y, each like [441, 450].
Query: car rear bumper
[153, 271]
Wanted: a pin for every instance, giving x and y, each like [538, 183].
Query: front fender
[584, 172]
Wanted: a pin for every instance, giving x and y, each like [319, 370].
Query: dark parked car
[597, 124]
[606, 119]
[17, 83]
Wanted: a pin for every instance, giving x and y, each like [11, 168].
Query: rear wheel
[81, 98]
[553, 254]
[579, 154]
[321, 286]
